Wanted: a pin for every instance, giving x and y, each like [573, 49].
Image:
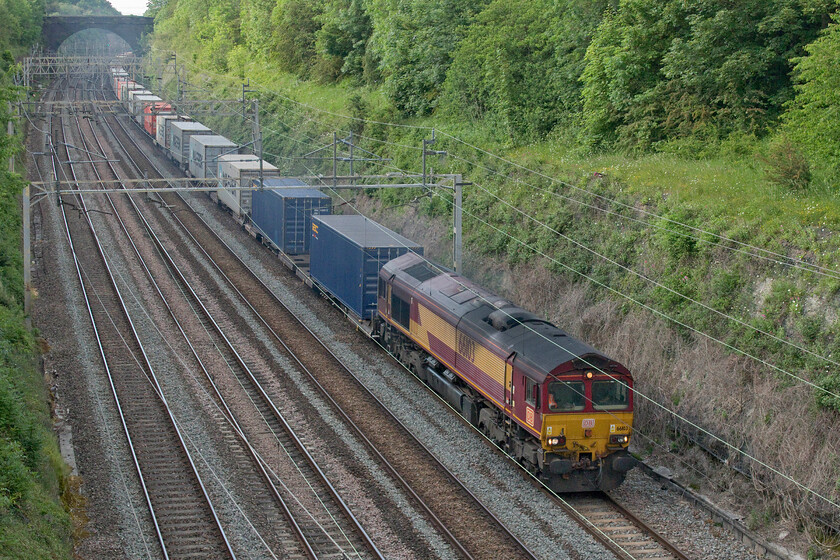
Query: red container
[150, 113]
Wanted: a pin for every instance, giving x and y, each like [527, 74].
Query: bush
[786, 166]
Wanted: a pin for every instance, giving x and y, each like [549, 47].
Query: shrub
[786, 166]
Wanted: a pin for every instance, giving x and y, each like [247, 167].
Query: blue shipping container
[346, 253]
[284, 214]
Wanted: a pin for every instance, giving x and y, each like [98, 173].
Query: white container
[138, 102]
[162, 128]
[238, 170]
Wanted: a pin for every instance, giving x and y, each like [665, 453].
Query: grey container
[204, 154]
[284, 214]
[139, 102]
[238, 170]
[179, 139]
[164, 133]
[345, 255]
[131, 94]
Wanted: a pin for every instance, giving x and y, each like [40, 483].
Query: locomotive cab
[586, 427]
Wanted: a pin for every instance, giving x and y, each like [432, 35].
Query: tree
[663, 70]
[295, 24]
[521, 62]
[413, 42]
[813, 115]
[342, 39]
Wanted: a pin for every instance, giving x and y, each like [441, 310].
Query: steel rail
[150, 370]
[582, 520]
[227, 412]
[261, 392]
[662, 541]
[95, 326]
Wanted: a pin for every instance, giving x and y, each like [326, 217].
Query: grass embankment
[710, 328]
[33, 523]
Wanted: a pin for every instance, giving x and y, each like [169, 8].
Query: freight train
[559, 407]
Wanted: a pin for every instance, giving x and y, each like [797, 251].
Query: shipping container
[238, 170]
[116, 77]
[124, 87]
[284, 214]
[204, 154]
[162, 134]
[139, 103]
[129, 100]
[345, 255]
[151, 114]
[179, 139]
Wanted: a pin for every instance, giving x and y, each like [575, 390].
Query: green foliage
[80, 8]
[295, 24]
[257, 29]
[21, 25]
[32, 522]
[675, 236]
[702, 69]
[786, 166]
[342, 39]
[520, 65]
[414, 41]
[813, 117]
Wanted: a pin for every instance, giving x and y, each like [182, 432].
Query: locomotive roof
[541, 347]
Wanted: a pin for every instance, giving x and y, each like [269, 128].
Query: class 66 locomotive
[558, 406]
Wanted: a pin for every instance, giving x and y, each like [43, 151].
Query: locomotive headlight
[619, 440]
[557, 441]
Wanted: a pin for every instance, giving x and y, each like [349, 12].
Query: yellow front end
[587, 434]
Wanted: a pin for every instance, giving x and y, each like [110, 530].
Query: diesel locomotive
[558, 406]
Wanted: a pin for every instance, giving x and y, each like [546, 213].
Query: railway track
[321, 530]
[407, 459]
[618, 529]
[182, 514]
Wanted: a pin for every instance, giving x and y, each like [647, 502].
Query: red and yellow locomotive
[557, 405]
